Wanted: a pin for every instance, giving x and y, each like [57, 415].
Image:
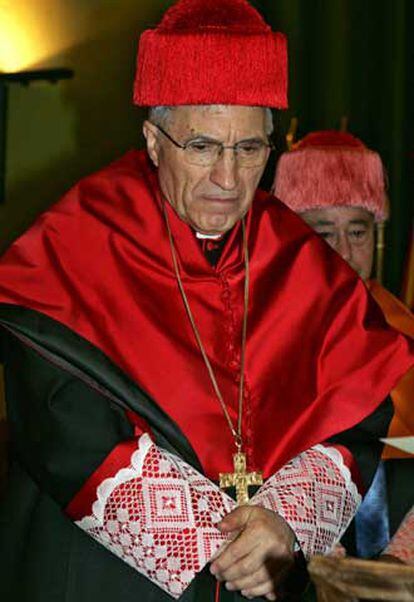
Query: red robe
[319, 355]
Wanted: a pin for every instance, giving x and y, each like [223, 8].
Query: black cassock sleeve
[61, 428]
[363, 440]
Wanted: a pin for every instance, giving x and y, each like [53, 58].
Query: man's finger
[264, 589]
[235, 520]
[241, 547]
[244, 567]
[253, 537]
[248, 582]
[230, 556]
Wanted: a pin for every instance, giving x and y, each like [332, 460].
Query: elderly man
[155, 365]
[336, 184]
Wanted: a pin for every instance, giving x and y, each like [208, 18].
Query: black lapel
[74, 354]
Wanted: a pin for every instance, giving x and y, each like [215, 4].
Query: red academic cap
[330, 168]
[211, 52]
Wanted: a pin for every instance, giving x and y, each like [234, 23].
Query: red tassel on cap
[212, 52]
[330, 168]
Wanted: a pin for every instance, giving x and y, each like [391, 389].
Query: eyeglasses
[205, 152]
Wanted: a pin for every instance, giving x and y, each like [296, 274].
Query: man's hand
[259, 555]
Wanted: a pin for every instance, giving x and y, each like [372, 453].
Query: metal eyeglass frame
[220, 145]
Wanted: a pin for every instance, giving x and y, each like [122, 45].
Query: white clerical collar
[210, 236]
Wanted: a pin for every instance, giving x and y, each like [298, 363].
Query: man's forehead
[217, 119]
[337, 215]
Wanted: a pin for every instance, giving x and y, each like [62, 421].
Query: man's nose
[224, 172]
[344, 247]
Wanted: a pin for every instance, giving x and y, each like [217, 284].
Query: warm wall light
[16, 45]
[35, 32]
[20, 39]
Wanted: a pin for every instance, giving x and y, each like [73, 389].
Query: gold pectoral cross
[240, 479]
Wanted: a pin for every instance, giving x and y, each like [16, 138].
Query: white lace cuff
[316, 496]
[159, 515]
[402, 544]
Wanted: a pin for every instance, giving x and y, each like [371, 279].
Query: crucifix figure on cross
[240, 479]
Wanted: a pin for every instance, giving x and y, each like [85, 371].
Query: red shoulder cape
[319, 355]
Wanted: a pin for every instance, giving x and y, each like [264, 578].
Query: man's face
[211, 198]
[348, 230]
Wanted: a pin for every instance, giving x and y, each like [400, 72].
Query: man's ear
[151, 136]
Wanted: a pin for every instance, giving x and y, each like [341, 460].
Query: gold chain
[237, 434]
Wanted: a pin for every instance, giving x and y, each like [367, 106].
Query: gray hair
[161, 115]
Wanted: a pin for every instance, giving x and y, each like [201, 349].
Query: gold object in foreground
[350, 579]
[240, 479]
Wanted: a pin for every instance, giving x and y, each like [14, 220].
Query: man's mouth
[219, 206]
[217, 202]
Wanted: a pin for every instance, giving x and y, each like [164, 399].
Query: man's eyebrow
[359, 222]
[211, 139]
[324, 222]
[321, 222]
[252, 139]
[202, 137]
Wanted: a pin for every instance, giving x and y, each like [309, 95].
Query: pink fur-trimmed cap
[330, 168]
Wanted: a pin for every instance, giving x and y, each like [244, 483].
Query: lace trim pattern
[316, 496]
[402, 544]
[159, 515]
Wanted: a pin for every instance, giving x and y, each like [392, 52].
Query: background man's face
[348, 230]
[209, 198]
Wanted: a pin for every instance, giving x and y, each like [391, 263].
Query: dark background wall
[356, 58]
[58, 133]
[347, 57]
